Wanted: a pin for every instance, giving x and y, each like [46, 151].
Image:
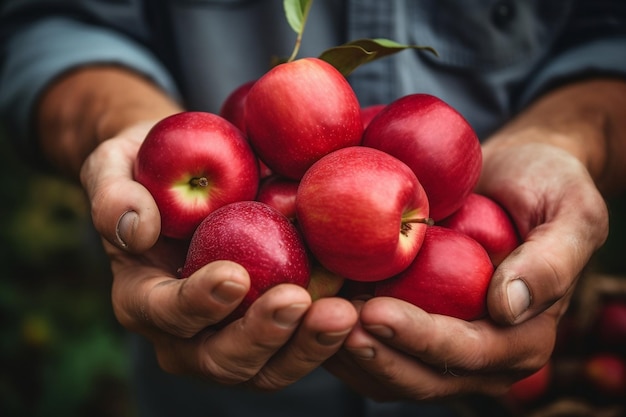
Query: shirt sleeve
[599, 57]
[592, 43]
[38, 52]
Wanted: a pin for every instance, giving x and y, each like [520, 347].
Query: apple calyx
[201, 182]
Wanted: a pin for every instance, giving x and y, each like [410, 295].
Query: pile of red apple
[298, 183]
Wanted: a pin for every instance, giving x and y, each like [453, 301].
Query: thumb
[122, 210]
[542, 271]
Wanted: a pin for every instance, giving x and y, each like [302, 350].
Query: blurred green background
[61, 351]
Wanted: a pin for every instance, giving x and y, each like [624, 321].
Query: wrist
[90, 105]
[586, 119]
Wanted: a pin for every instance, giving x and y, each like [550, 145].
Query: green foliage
[296, 12]
[349, 56]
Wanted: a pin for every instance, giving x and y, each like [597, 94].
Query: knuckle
[225, 375]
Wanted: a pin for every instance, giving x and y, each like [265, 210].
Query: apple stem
[406, 224]
[199, 182]
[426, 220]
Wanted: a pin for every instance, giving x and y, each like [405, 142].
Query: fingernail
[365, 353]
[380, 331]
[331, 338]
[125, 226]
[288, 316]
[228, 292]
[519, 297]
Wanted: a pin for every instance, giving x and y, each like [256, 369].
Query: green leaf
[296, 12]
[349, 56]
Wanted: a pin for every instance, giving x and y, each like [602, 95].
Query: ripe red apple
[607, 373]
[300, 111]
[533, 387]
[611, 325]
[362, 212]
[450, 275]
[233, 107]
[257, 237]
[487, 222]
[369, 112]
[193, 163]
[436, 142]
[280, 193]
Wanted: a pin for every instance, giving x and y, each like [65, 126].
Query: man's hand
[398, 351]
[283, 336]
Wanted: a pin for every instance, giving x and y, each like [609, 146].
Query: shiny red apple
[362, 212]
[193, 163]
[257, 237]
[300, 111]
[436, 142]
[487, 222]
[450, 275]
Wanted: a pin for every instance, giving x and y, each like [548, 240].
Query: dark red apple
[300, 111]
[233, 107]
[533, 387]
[436, 142]
[450, 275]
[280, 193]
[193, 163]
[369, 112]
[257, 237]
[362, 212]
[487, 222]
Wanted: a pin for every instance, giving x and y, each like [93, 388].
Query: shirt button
[502, 13]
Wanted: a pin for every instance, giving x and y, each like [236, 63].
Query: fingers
[321, 334]
[427, 356]
[123, 211]
[235, 353]
[281, 338]
[149, 302]
[539, 273]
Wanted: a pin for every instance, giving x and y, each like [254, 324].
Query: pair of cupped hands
[384, 348]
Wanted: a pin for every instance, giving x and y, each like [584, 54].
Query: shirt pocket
[487, 34]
